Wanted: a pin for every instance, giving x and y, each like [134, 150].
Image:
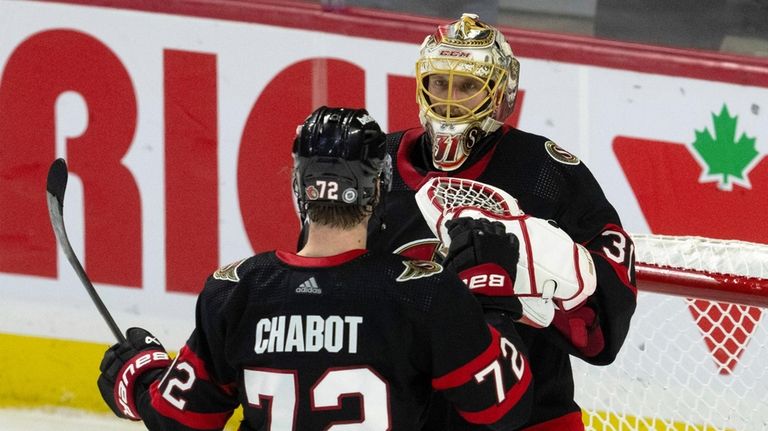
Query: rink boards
[177, 126]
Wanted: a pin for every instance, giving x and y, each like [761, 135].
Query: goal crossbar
[719, 270]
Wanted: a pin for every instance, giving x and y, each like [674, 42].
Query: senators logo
[312, 193]
[423, 249]
[560, 154]
[419, 269]
[228, 272]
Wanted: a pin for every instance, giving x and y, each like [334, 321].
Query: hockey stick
[56, 185]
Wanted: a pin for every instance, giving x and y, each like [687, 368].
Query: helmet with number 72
[339, 158]
[466, 87]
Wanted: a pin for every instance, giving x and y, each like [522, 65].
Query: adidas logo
[309, 286]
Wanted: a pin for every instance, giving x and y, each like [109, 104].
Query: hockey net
[695, 355]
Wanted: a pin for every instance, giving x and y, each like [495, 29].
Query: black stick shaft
[56, 186]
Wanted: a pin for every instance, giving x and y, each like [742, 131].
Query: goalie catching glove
[128, 367]
[485, 257]
[551, 265]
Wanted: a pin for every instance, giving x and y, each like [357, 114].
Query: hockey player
[467, 79]
[334, 334]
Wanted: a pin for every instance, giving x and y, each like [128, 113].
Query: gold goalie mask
[466, 86]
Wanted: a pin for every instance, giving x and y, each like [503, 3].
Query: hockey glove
[485, 257]
[128, 367]
[551, 265]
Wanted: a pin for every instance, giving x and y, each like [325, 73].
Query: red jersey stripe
[201, 421]
[187, 355]
[496, 412]
[464, 373]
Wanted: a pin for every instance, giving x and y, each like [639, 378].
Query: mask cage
[491, 78]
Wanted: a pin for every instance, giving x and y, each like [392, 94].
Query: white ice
[62, 420]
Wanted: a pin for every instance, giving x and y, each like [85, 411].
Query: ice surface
[62, 420]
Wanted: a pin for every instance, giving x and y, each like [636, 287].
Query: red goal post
[695, 355]
[720, 270]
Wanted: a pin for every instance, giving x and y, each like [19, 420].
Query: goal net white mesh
[691, 361]
[695, 356]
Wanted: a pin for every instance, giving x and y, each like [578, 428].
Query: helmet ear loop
[378, 202]
[373, 201]
[300, 202]
[370, 206]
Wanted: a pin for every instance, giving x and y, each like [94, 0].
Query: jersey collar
[294, 259]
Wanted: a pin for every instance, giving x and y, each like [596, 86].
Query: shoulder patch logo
[560, 154]
[228, 272]
[423, 249]
[419, 269]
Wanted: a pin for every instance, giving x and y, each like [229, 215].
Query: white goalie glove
[552, 270]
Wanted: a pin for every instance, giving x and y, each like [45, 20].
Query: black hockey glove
[485, 257]
[128, 367]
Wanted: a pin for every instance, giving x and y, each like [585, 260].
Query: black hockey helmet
[339, 154]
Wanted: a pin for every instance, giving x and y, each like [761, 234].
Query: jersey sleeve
[198, 391]
[596, 331]
[485, 375]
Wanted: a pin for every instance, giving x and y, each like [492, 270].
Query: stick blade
[57, 180]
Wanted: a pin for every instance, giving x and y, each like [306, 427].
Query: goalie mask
[339, 155]
[466, 79]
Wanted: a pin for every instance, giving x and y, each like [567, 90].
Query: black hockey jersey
[359, 338]
[548, 183]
